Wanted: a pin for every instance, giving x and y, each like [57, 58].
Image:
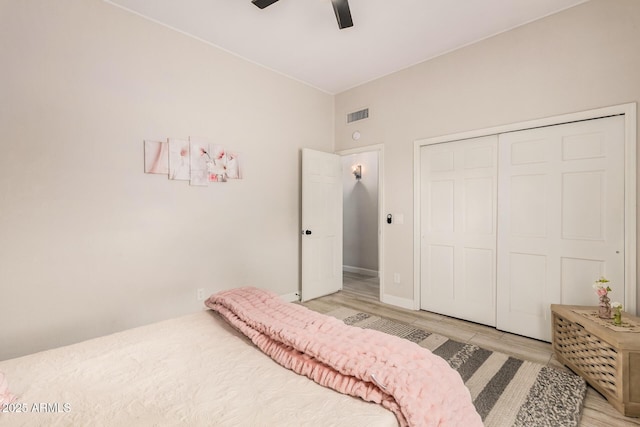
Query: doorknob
[307, 232]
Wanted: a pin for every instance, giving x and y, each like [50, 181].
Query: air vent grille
[358, 115]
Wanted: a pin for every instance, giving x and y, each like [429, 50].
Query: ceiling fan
[340, 8]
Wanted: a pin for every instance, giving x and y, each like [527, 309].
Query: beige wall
[583, 58]
[89, 243]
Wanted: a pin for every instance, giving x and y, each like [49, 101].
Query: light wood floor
[361, 293]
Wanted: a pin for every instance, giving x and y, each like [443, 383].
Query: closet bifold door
[458, 228]
[560, 220]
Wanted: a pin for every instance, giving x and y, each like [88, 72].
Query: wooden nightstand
[608, 360]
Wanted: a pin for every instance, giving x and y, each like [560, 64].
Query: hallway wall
[360, 240]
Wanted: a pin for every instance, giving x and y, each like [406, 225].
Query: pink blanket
[418, 386]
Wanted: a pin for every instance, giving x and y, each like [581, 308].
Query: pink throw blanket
[417, 386]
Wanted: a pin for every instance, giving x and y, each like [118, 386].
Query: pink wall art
[194, 159]
[156, 157]
[179, 159]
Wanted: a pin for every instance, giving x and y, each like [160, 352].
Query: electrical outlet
[396, 278]
[200, 294]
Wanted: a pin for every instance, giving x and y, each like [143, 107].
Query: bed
[219, 368]
[194, 370]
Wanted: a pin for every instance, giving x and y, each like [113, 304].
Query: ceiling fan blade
[263, 3]
[343, 13]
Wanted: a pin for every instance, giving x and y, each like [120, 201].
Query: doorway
[361, 223]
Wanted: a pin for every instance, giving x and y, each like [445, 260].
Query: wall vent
[358, 115]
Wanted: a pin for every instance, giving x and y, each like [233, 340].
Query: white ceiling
[301, 39]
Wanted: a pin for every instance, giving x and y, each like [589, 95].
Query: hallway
[361, 286]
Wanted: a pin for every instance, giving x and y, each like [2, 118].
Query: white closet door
[561, 220]
[458, 229]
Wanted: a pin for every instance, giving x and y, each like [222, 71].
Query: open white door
[321, 224]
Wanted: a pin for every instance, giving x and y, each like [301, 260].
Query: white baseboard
[359, 270]
[292, 297]
[398, 302]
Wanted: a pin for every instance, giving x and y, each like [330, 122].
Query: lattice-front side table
[607, 359]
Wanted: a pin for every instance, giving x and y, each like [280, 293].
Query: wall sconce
[357, 171]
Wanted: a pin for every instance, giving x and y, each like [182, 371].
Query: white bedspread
[193, 371]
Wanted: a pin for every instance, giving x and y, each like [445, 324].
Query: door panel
[575, 273]
[582, 212]
[441, 206]
[528, 205]
[528, 281]
[321, 224]
[479, 205]
[441, 260]
[561, 219]
[458, 228]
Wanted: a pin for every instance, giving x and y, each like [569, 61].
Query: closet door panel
[561, 220]
[458, 228]
[528, 278]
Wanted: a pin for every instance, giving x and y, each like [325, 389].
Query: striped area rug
[506, 391]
